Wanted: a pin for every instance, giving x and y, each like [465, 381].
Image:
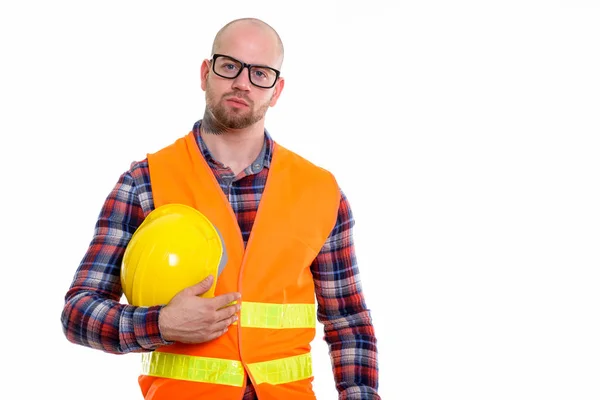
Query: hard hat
[176, 246]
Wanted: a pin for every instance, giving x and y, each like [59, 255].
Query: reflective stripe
[190, 368]
[284, 370]
[277, 316]
[225, 372]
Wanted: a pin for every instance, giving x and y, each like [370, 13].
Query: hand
[189, 318]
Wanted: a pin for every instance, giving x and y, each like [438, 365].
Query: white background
[465, 134]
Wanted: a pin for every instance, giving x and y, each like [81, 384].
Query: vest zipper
[258, 212]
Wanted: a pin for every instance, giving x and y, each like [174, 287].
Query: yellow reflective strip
[192, 368]
[283, 370]
[277, 316]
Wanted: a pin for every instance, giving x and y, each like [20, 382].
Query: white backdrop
[464, 133]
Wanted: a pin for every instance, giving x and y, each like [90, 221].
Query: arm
[347, 322]
[92, 315]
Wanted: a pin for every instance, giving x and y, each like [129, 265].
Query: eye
[260, 73]
[227, 67]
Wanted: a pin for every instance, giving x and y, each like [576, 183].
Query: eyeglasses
[230, 68]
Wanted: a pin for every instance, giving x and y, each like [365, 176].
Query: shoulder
[320, 180]
[134, 185]
[295, 158]
[138, 170]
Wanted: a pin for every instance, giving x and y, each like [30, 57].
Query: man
[298, 246]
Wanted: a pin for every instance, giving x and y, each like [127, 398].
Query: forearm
[100, 323]
[353, 350]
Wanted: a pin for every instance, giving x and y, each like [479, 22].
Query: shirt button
[256, 167]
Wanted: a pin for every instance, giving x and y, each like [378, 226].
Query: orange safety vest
[270, 343]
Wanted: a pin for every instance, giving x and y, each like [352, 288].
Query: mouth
[236, 101]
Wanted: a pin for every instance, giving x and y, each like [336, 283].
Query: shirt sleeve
[93, 315]
[348, 327]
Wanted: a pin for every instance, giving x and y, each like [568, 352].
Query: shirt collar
[262, 161]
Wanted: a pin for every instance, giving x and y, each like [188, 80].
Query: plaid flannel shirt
[93, 315]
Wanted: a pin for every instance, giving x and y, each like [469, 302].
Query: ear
[277, 91]
[204, 70]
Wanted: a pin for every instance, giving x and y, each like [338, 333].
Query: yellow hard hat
[176, 246]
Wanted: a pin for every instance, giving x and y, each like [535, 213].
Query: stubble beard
[218, 117]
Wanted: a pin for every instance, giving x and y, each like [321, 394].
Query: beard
[220, 116]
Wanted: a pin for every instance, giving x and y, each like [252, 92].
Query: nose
[242, 82]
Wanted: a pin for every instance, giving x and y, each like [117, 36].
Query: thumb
[202, 286]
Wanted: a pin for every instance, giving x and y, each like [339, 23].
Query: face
[237, 103]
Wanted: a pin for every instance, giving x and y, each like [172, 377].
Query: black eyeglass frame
[244, 65]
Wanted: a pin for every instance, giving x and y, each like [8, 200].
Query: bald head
[247, 28]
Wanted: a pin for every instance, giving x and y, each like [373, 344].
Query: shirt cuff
[146, 326]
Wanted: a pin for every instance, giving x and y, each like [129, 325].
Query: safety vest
[270, 343]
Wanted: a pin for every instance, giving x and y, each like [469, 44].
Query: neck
[235, 148]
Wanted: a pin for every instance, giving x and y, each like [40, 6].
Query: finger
[224, 324]
[224, 300]
[226, 312]
[202, 286]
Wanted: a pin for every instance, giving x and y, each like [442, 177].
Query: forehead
[251, 43]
